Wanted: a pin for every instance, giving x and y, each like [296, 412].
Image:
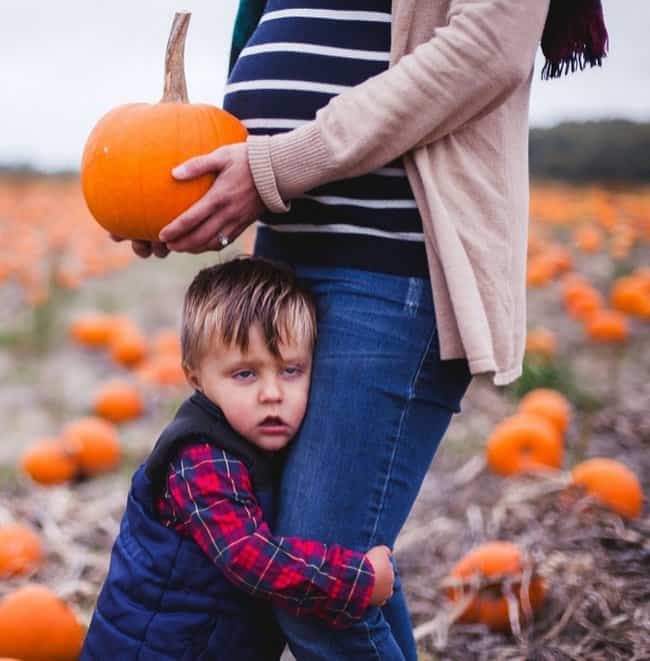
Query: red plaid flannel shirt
[209, 497]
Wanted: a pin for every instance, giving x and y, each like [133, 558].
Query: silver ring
[223, 240]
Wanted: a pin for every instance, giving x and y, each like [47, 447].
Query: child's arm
[209, 494]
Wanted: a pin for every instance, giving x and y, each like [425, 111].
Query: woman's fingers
[142, 248]
[230, 232]
[202, 164]
[198, 239]
[213, 162]
[185, 225]
[160, 249]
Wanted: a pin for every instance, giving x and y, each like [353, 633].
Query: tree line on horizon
[610, 151]
[615, 151]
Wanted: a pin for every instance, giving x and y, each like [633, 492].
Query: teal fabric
[248, 16]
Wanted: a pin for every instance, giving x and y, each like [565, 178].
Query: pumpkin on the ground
[541, 342]
[95, 444]
[36, 625]
[550, 404]
[166, 340]
[127, 161]
[21, 550]
[611, 483]
[607, 326]
[524, 442]
[128, 348]
[91, 329]
[118, 401]
[48, 462]
[162, 370]
[494, 560]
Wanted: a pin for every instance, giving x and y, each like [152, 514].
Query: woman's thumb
[198, 165]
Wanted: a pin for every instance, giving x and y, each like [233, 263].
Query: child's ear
[192, 377]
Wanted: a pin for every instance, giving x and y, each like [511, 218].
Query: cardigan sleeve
[468, 67]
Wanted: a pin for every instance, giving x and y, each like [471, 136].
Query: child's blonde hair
[225, 300]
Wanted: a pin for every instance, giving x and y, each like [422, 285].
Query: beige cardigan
[454, 102]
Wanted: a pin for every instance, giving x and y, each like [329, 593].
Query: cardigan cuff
[287, 164]
[259, 161]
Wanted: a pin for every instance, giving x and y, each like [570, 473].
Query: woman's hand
[230, 205]
[145, 249]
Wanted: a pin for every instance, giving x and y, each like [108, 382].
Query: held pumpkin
[127, 161]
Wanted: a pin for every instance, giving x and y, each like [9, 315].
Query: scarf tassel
[574, 36]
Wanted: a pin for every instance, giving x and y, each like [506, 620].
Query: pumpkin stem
[175, 86]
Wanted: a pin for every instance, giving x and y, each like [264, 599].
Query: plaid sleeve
[209, 497]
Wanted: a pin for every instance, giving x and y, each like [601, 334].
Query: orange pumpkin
[630, 295]
[584, 302]
[550, 404]
[560, 257]
[524, 442]
[607, 326]
[492, 561]
[91, 329]
[121, 324]
[573, 286]
[21, 550]
[163, 370]
[118, 401]
[541, 342]
[127, 161]
[166, 341]
[48, 462]
[611, 483]
[588, 238]
[128, 348]
[95, 444]
[541, 270]
[35, 625]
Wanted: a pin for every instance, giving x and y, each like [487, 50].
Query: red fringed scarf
[574, 36]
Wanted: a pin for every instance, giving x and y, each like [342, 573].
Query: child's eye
[244, 375]
[292, 371]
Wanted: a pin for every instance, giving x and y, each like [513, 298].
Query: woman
[387, 160]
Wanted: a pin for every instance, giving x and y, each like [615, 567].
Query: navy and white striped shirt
[299, 57]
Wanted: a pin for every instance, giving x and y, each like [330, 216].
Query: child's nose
[270, 391]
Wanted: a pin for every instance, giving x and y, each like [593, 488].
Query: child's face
[263, 397]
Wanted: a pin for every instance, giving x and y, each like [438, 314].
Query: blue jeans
[380, 401]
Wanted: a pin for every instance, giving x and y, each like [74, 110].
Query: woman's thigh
[380, 402]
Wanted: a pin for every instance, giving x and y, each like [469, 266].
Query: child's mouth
[274, 425]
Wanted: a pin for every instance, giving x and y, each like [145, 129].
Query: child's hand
[379, 558]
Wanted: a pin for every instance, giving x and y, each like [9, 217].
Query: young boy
[204, 498]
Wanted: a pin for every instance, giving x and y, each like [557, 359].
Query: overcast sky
[64, 64]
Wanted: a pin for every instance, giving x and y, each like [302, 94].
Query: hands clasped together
[220, 216]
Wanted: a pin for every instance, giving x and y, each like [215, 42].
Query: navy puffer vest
[163, 598]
